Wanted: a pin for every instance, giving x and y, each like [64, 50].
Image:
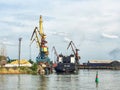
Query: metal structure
[19, 53]
[3, 49]
[55, 52]
[75, 51]
[39, 37]
[67, 64]
[3, 59]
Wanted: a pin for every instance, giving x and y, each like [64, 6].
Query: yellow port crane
[39, 36]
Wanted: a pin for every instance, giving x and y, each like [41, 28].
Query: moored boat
[69, 63]
[65, 64]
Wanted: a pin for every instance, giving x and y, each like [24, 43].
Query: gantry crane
[39, 37]
[75, 51]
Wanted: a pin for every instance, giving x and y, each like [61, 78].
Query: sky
[93, 25]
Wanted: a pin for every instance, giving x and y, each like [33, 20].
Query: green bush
[34, 67]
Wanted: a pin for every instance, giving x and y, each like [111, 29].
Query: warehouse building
[99, 62]
[113, 63]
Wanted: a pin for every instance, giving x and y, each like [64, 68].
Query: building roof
[100, 61]
[117, 60]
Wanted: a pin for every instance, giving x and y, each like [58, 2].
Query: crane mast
[41, 26]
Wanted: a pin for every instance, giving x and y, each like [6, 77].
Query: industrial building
[113, 63]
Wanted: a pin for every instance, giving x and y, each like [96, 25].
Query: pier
[99, 67]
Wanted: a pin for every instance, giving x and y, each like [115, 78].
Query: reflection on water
[43, 82]
[18, 85]
[84, 80]
[96, 84]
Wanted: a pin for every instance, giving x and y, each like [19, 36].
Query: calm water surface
[84, 80]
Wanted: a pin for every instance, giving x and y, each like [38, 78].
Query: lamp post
[19, 51]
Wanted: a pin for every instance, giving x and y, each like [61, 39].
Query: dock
[99, 67]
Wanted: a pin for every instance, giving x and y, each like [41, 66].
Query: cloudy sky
[93, 25]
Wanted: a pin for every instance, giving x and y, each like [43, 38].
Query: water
[84, 80]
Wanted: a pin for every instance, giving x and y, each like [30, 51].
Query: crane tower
[40, 37]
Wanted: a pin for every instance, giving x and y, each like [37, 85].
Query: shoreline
[17, 70]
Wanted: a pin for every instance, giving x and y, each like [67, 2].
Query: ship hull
[65, 67]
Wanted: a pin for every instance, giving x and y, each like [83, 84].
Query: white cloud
[66, 39]
[9, 43]
[71, 19]
[110, 36]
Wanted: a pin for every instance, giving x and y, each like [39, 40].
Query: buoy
[96, 79]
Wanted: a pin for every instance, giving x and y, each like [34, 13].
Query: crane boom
[37, 40]
[55, 52]
[70, 44]
[35, 37]
[40, 31]
[33, 33]
[75, 50]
